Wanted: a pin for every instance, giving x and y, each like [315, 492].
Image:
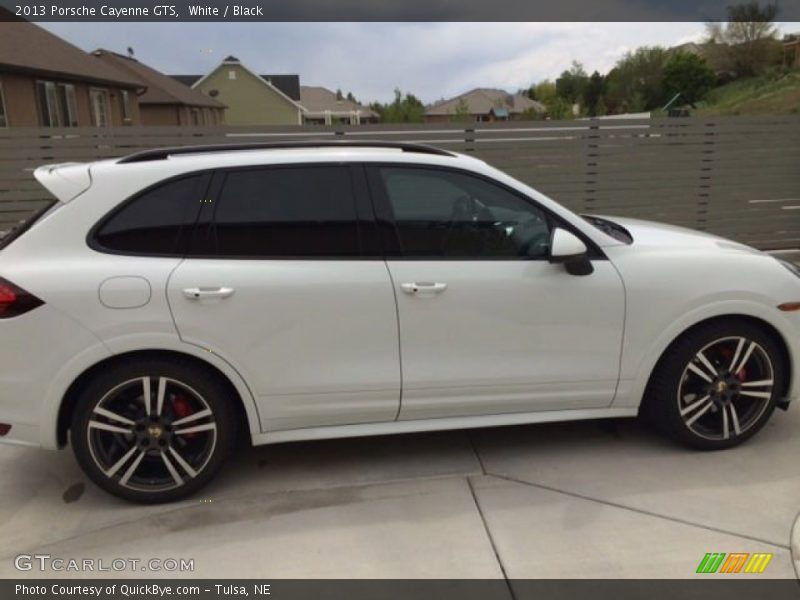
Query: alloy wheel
[725, 388]
[152, 434]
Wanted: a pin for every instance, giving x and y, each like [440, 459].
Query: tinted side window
[287, 212]
[442, 213]
[152, 222]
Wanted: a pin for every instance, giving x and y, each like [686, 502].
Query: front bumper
[21, 434]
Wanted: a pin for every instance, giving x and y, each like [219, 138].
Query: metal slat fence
[734, 176]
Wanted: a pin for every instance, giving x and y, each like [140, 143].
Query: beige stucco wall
[249, 101]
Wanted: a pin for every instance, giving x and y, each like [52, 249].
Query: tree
[403, 109]
[748, 39]
[544, 92]
[689, 75]
[636, 81]
[560, 109]
[594, 92]
[571, 85]
[600, 108]
[339, 94]
[462, 111]
[531, 114]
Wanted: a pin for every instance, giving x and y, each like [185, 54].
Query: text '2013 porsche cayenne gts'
[172, 302]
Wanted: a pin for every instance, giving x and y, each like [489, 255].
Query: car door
[279, 281]
[487, 324]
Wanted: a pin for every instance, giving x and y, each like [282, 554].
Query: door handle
[423, 288]
[199, 293]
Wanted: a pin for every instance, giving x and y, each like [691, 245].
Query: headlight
[790, 265]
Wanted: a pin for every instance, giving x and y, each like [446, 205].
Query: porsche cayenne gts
[171, 302]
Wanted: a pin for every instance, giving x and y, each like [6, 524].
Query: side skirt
[390, 427]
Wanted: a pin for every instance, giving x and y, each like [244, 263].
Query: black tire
[188, 455]
[676, 392]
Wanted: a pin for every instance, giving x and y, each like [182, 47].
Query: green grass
[777, 92]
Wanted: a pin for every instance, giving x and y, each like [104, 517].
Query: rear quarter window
[13, 224]
[151, 223]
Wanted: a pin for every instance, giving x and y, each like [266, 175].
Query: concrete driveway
[587, 499]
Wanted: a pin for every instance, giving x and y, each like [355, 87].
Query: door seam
[399, 339]
[235, 370]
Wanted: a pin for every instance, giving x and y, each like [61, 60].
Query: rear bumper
[38, 361]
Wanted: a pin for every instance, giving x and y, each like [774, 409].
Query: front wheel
[716, 386]
[153, 430]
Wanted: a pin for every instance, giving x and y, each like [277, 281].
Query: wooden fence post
[705, 181]
[591, 164]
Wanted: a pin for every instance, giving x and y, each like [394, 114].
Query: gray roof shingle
[161, 89]
[27, 47]
[481, 101]
[317, 99]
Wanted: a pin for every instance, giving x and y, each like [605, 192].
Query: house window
[3, 118]
[232, 75]
[101, 116]
[125, 102]
[67, 104]
[48, 107]
[57, 104]
[195, 116]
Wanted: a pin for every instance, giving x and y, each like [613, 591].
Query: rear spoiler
[64, 180]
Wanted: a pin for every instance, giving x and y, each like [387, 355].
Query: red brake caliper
[182, 409]
[727, 354]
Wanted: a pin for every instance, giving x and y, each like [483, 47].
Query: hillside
[774, 93]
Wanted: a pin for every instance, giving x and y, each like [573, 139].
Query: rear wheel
[716, 386]
[153, 430]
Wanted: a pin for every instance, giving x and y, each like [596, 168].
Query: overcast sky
[431, 60]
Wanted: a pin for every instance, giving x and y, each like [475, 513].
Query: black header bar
[377, 10]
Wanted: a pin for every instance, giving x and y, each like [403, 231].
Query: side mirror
[568, 249]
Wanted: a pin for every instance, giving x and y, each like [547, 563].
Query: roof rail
[163, 153]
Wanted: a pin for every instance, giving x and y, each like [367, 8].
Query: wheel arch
[246, 418]
[767, 327]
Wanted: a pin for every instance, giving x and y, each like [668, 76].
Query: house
[288, 84]
[324, 107]
[791, 50]
[716, 55]
[483, 104]
[165, 101]
[47, 82]
[250, 98]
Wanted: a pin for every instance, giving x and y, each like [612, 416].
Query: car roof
[165, 153]
[167, 162]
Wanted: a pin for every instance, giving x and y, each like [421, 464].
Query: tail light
[15, 301]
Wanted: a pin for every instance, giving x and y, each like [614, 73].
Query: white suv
[170, 300]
